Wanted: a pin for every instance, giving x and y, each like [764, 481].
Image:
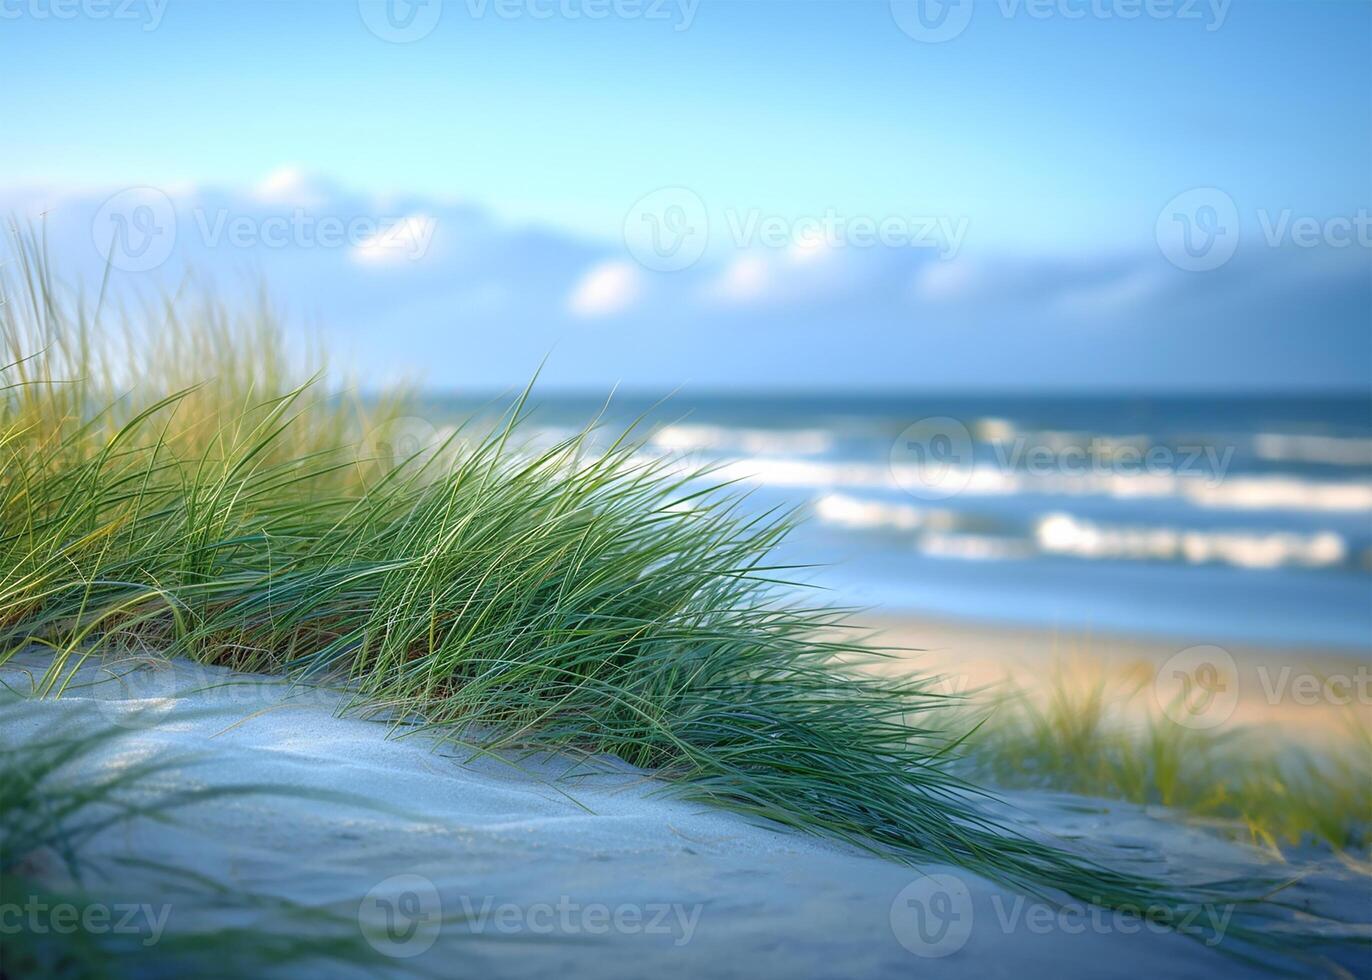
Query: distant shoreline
[976, 655]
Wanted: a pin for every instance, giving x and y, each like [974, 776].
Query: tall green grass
[1095, 732]
[167, 481]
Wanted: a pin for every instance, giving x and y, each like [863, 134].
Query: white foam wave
[1062, 534]
[936, 533]
[1005, 433]
[1275, 492]
[934, 528]
[760, 442]
[1281, 493]
[975, 547]
[854, 512]
[1337, 450]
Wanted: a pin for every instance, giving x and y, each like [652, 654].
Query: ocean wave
[1004, 433]
[1254, 492]
[936, 529]
[1335, 450]
[1063, 534]
[944, 533]
[728, 439]
[975, 547]
[1281, 493]
[853, 512]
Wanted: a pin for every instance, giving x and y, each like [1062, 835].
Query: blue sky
[1053, 140]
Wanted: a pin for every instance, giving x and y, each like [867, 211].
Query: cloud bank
[445, 289]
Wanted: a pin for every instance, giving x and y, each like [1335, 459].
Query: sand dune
[481, 866]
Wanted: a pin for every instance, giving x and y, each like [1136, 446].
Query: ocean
[1204, 519]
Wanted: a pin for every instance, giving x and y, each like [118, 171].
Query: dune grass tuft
[174, 485]
[1096, 732]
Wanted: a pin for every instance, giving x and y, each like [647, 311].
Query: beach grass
[173, 481]
[1096, 731]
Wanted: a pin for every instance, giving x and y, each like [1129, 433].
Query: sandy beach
[1307, 692]
[516, 868]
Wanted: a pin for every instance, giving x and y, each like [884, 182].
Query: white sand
[492, 870]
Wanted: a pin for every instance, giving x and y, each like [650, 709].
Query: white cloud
[397, 240]
[746, 278]
[289, 185]
[605, 289]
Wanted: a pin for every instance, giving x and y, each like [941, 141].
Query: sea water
[1212, 519]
